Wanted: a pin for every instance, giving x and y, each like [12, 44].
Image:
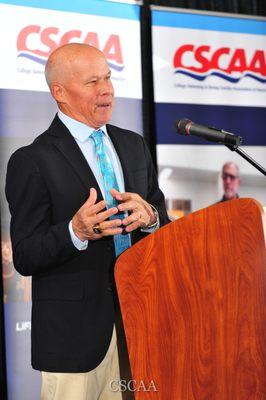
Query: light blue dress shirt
[81, 133]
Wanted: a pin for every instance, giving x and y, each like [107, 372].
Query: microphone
[186, 127]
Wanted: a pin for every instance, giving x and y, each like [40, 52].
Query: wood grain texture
[193, 299]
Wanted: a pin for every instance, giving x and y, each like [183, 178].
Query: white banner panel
[210, 61]
[37, 32]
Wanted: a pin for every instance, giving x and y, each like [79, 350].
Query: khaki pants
[92, 385]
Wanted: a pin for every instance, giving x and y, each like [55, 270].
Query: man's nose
[106, 87]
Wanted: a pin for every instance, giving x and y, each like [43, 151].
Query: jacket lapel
[67, 145]
[120, 145]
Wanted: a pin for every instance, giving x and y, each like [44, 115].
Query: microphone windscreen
[181, 124]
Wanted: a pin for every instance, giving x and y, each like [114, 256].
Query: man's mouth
[104, 105]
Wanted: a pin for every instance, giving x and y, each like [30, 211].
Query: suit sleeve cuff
[79, 244]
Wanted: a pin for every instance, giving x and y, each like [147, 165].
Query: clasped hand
[91, 214]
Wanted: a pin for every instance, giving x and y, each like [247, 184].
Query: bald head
[61, 63]
[79, 79]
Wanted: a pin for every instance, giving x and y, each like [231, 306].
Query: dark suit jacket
[72, 298]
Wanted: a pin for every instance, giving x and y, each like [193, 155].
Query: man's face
[231, 181]
[88, 93]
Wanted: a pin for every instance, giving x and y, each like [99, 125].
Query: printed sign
[38, 32]
[209, 67]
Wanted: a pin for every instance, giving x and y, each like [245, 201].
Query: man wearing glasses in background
[231, 181]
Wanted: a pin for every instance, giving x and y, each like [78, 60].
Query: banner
[30, 31]
[211, 69]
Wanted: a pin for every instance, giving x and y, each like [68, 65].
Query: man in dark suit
[63, 230]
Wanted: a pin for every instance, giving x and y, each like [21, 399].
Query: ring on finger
[96, 229]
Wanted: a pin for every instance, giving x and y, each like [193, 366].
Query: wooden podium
[193, 300]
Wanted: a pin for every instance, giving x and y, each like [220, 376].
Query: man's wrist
[156, 217]
[77, 242]
[154, 225]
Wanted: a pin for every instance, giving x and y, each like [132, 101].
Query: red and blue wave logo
[232, 65]
[46, 40]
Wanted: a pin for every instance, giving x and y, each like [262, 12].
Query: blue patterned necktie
[122, 241]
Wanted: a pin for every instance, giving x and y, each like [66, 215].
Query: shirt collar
[78, 129]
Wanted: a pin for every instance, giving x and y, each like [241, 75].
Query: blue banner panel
[208, 22]
[92, 7]
[23, 382]
[248, 122]
[211, 69]
[27, 109]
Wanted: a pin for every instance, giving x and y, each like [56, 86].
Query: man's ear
[58, 92]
